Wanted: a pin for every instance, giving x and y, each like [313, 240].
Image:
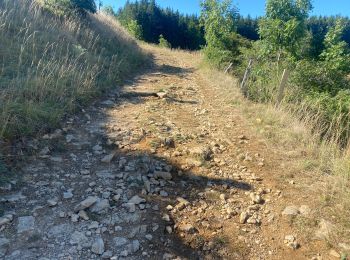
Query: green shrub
[336, 55]
[284, 26]
[329, 73]
[311, 75]
[134, 29]
[220, 32]
[163, 42]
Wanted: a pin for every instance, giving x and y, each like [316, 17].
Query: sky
[252, 7]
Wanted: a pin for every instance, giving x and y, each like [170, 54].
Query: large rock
[183, 201]
[100, 205]
[120, 241]
[291, 211]
[98, 247]
[325, 230]
[188, 228]
[78, 238]
[25, 224]
[108, 158]
[134, 246]
[162, 94]
[87, 203]
[162, 175]
[136, 200]
[243, 217]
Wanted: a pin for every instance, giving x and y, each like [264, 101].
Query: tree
[67, 7]
[284, 26]
[108, 10]
[336, 54]
[135, 29]
[84, 5]
[163, 42]
[218, 18]
[181, 31]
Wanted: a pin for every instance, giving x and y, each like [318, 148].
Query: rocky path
[164, 168]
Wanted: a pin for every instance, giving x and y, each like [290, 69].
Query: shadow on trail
[190, 244]
[173, 70]
[139, 168]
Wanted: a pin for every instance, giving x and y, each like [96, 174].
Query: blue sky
[252, 7]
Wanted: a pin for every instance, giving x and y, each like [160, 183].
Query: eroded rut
[161, 169]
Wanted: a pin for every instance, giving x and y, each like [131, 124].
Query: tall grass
[50, 65]
[320, 166]
[328, 113]
[312, 129]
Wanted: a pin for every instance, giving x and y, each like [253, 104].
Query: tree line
[147, 21]
[317, 28]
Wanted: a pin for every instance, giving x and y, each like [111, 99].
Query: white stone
[98, 247]
[88, 202]
[25, 224]
[100, 205]
[136, 200]
[290, 211]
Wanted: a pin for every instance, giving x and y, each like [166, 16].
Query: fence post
[245, 78]
[282, 86]
[229, 67]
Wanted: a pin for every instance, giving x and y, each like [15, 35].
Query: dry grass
[50, 66]
[319, 162]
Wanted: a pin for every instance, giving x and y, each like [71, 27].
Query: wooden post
[245, 78]
[229, 67]
[282, 86]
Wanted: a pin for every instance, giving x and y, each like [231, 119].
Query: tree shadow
[173, 70]
[139, 167]
[187, 244]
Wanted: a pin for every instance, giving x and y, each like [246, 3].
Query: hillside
[51, 66]
[118, 149]
[172, 165]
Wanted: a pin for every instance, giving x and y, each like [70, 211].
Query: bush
[220, 32]
[163, 42]
[284, 27]
[134, 29]
[336, 55]
[227, 51]
[316, 76]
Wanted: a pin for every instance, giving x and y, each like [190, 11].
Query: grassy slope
[50, 66]
[320, 167]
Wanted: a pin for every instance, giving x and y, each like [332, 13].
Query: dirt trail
[165, 168]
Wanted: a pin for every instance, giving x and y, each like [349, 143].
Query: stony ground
[163, 168]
